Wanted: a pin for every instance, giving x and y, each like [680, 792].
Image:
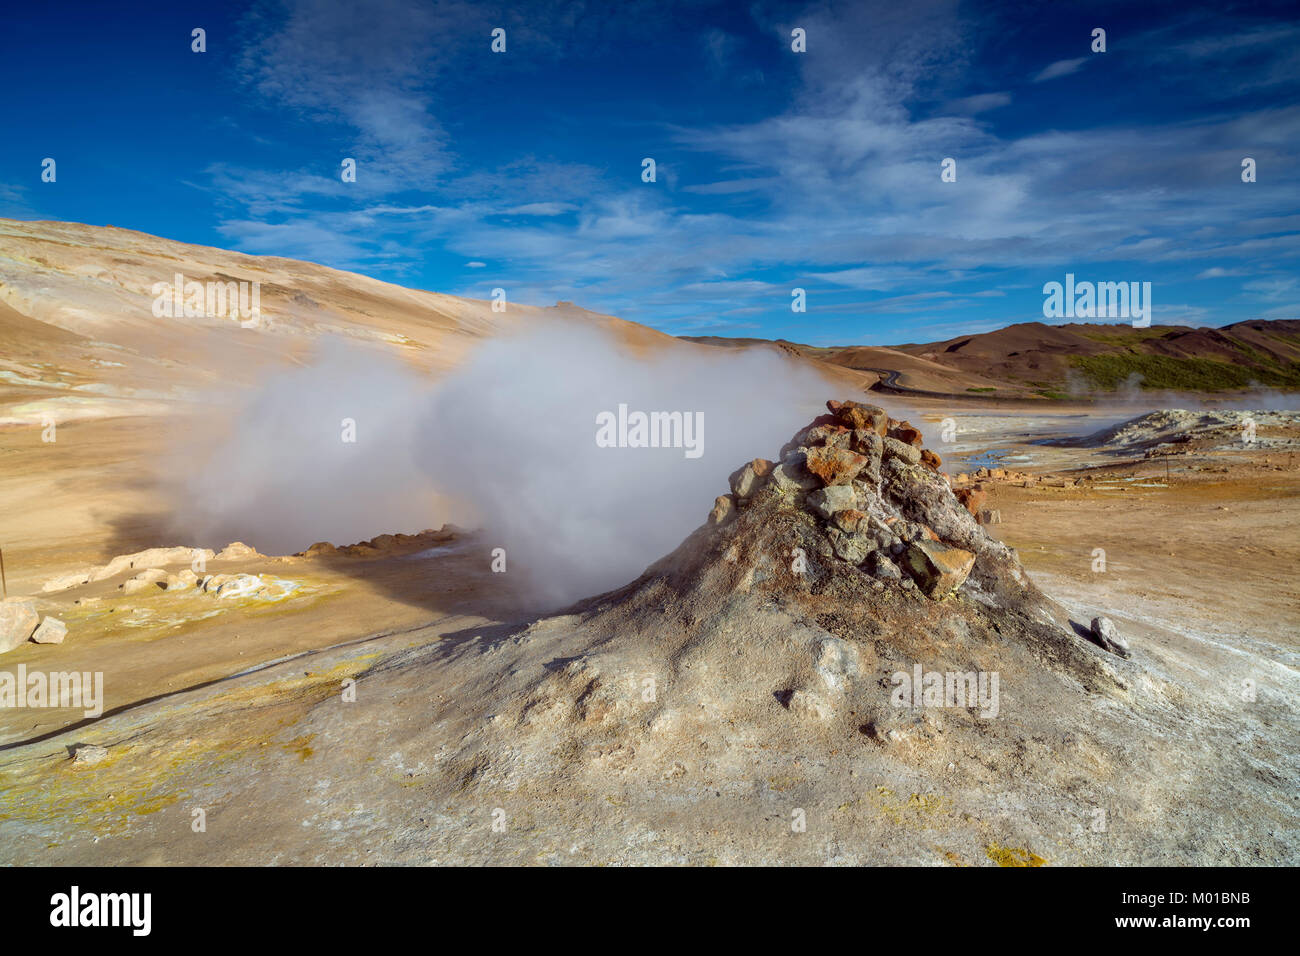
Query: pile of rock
[384, 544]
[991, 474]
[879, 500]
[218, 585]
[151, 560]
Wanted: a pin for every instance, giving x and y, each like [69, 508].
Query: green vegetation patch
[1125, 335]
[1196, 374]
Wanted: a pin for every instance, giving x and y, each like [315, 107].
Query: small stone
[837, 661]
[89, 754]
[18, 620]
[724, 509]
[182, 580]
[868, 444]
[235, 550]
[66, 581]
[747, 479]
[834, 466]
[907, 433]
[792, 475]
[937, 569]
[1103, 630]
[881, 567]
[852, 548]
[833, 436]
[893, 448]
[51, 631]
[858, 415]
[850, 520]
[239, 585]
[930, 459]
[973, 499]
[800, 440]
[827, 501]
[144, 581]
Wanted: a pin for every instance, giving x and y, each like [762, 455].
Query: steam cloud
[506, 443]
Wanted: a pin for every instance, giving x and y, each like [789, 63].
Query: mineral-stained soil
[738, 703]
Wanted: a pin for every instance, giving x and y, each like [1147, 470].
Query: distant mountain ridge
[1058, 361]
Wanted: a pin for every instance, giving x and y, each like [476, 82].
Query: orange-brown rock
[858, 415]
[835, 466]
[937, 569]
[907, 433]
[724, 508]
[930, 459]
[851, 520]
[746, 479]
[834, 435]
[973, 499]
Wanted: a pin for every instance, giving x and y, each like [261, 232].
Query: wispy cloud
[1058, 69]
[836, 185]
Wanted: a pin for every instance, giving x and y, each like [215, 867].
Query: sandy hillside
[81, 339]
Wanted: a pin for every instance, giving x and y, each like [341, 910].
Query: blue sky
[775, 169]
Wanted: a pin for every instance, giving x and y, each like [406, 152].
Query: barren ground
[232, 706]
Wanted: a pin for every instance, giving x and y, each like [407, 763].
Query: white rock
[241, 585]
[18, 619]
[63, 582]
[237, 549]
[837, 661]
[153, 557]
[144, 581]
[89, 754]
[827, 501]
[182, 580]
[51, 631]
[1103, 629]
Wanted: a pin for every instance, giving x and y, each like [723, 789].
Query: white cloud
[1059, 68]
[840, 187]
[541, 209]
[979, 103]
